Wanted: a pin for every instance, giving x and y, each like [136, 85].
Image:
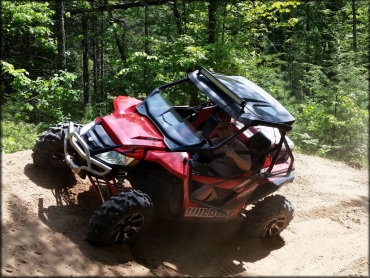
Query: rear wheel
[120, 219]
[269, 217]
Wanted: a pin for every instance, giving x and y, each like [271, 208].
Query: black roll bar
[240, 131]
[278, 149]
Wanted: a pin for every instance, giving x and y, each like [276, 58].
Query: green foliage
[28, 39]
[32, 18]
[342, 135]
[333, 119]
[52, 98]
[301, 52]
[172, 57]
[18, 136]
[141, 66]
[91, 113]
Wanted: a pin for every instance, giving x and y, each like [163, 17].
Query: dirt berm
[44, 228]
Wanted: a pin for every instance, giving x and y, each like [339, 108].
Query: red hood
[128, 128]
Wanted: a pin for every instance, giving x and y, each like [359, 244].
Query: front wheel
[120, 219]
[269, 217]
[48, 152]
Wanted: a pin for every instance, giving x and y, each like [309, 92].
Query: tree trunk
[85, 61]
[146, 44]
[120, 46]
[94, 57]
[354, 24]
[307, 27]
[2, 52]
[2, 56]
[95, 81]
[101, 60]
[102, 71]
[223, 23]
[184, 15]
[212, 9]
[61, 35]
[146, 30]
[178, 18]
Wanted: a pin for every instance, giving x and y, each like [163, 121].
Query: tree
[119, 43]
[178, 18]
[61, 36]
[146, 29]
[94, 54]
[311, 55]
[85, 59]
[28, 40]
[354, 24]
[212, 9]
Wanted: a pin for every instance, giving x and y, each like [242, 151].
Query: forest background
[67, 60]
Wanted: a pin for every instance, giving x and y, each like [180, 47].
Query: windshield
[161, 111]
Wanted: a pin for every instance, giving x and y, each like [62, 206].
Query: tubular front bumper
[75, 140]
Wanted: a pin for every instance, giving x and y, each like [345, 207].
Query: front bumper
[73, 138]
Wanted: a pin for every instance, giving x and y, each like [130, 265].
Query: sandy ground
[44, 227]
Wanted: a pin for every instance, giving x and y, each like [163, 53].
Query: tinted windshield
[170, 122]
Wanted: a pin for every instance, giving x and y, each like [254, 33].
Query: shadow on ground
[205, 249]
[50, 179]
[169, 248]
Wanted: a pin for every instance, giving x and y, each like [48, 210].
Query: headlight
[113, 157]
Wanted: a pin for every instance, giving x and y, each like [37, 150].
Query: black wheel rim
[128, 227]
[274, 227]
[58, 158]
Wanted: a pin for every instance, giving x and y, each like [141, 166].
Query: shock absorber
[121, 176]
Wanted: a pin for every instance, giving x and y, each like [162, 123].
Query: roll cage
[238, 97]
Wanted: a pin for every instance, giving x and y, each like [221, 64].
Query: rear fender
[271, 185]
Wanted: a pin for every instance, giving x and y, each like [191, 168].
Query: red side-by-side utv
[153, 145]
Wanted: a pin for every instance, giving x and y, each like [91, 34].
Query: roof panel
[242, 99]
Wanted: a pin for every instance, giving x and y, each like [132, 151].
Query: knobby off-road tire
[120, 219]
[269, 217]
[48, 151]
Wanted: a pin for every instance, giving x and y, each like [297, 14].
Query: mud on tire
[269, 217]
[48, 151]
[120, 219]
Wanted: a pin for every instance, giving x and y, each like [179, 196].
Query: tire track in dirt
[353, 211]
[360, 264]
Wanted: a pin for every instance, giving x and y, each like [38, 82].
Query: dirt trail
[43, 231]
